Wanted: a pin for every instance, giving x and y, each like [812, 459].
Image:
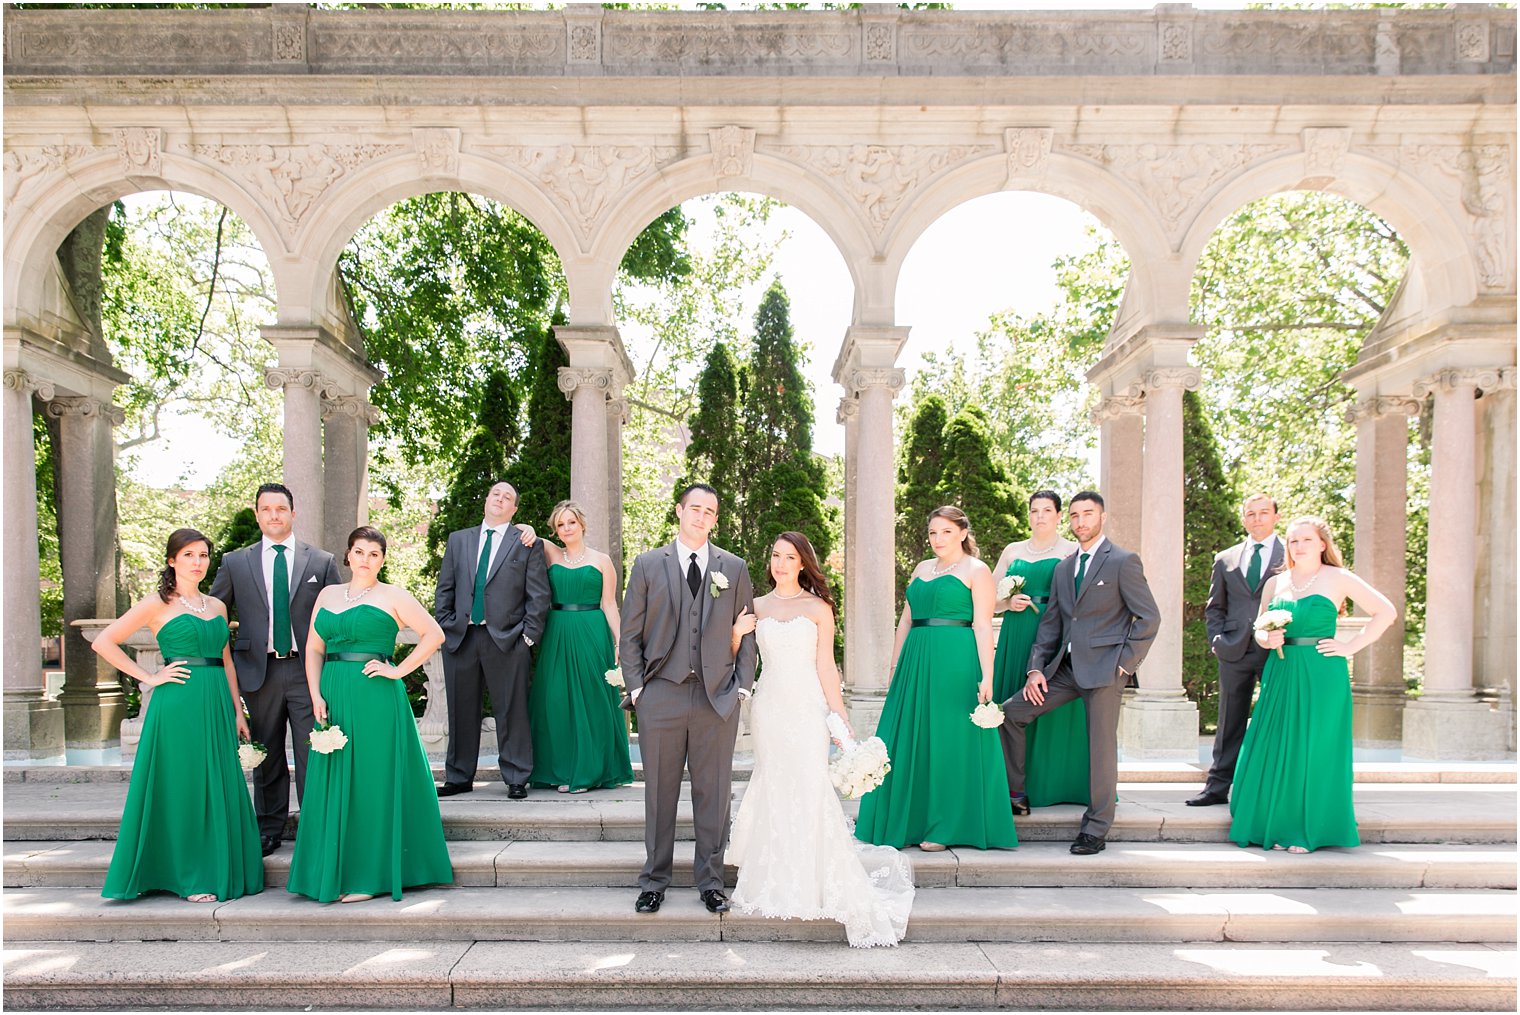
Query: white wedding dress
[791, 841]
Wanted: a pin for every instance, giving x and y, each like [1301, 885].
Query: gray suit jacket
[1110, 624]
[653, 607]
[1231, 612]
[517, 590]
[240, 584]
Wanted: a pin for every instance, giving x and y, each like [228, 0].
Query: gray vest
[693, 629]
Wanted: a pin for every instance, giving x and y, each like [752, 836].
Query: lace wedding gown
[791, 841]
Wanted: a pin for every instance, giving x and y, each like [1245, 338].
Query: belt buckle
[288, 655]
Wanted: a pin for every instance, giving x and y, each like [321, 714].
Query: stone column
[617, 417]
[589, 459]
[346, 420]
[33, 725]
[1160, 721]
[1121, 454]
[1494, 642]
[303, 390]
[1382, 494]
[1449, 722]
[849, 417]
[871, 570]
[92, 699]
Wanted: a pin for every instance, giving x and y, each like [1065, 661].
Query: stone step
[1386, 813]
[744, 975]
[939, 915]
[1035, 864]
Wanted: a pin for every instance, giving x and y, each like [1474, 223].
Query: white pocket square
[1101, 582]
[313, 580]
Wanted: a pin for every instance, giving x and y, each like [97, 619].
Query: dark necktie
[1081, 573]
[483, 565]
[693, 576]
[1253, 573]
[280, 602]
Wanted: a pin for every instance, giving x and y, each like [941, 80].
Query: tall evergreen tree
[487, 457]
[541, 473]
[918, 479]
[1210, 503]
[715, 454]
[976, 484]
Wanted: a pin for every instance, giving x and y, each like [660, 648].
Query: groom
[685, 684]
[1095, 633]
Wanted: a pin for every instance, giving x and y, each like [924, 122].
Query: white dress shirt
[703, 552]
[1266, 554]
[497, 541]
[289, 542]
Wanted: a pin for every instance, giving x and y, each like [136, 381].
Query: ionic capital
[1186, 378]
[86, 407]
[280, 378]
[1115, 406]
[891, 378]
[617, 408]
[1382, 406]
[1453, 379]
[20, 380]
[849, 409]
[351, 406]
[571, 379]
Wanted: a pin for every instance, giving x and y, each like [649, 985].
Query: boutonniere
[718, 582]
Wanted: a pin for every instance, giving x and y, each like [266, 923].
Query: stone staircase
[1172, 916]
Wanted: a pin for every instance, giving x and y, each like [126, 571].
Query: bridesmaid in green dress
[1057, 741]
[188, 824]
[1293, 781]
[369, 818]
[948, 785]
[580, 737]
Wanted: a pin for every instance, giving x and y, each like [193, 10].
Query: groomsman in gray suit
[1096, 631]
[1229, 617]
[273, 585]
[685, 682]
[492, 603]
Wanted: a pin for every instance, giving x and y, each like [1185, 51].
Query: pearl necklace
[794, 595]
[572, 563]
[937, 571]
[354, 599]
[1298, 593]
[194, 609]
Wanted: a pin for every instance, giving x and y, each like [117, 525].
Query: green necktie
[478, 604]
[1081, 573]
[1253, 573]
[281, 602]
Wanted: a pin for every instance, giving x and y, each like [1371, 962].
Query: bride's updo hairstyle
[957, 517]
[811, 577]
[178, 540]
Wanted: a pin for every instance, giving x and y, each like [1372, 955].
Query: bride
[791, 841]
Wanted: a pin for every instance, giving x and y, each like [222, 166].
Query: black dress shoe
[1087, 845]
[269, 843]
[715, 901]
[649, 902]
[1020, 805]
[454, 788]
[517, 790]
[1207, 799]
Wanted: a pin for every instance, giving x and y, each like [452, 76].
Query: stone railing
[877, 40]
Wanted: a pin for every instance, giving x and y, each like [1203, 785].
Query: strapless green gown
[948, 783]
[188, 824]
[580, 738]
[1293, 781]
[369, 819]
[1056, 743]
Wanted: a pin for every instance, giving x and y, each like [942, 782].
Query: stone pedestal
[1158, 725]
[865, 710]
[1454, 729]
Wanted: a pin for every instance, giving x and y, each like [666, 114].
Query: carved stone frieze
[738, 40]
[1382, 406]
[586, 178]
[288, 41]
[350, 406]
[1325, 149]
[141, 150]
[1115, 406]
[437, 150]
[585, 42]
[1028, 151]
[1387, 55]
[1174, 177]
[24, 164]
[881, 42]
[571, 379]
[441, 42]
[733, 150]
[1012, 44]
[1174, 43]
[20, 380]
[1305, 42]
[279, 378]
[1472, 41]
[89, 408]
[880, 177]
[292, 177]
[891, 378]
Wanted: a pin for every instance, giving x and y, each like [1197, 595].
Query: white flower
[1274, 620]
[327, 739]
[1010, 585]
[614, 677]
[987, 715]
[858, 769]
[719, 583]
[251, 756]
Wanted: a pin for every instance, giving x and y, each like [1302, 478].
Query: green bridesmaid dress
[369, 818]
[580, 738]
[1056, 743]
[188, 824]
[1293, 781]
[948, 783]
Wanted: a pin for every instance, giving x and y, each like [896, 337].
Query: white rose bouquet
[1010, 585]
[251, 755]
[987, 715]
[614, 677]
[860, 766]
[328, 738]
[1274, 620]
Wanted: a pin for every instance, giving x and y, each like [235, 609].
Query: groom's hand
[1035, 687]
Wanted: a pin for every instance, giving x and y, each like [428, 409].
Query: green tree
[541, 473]
[489, 454]
[47, 529]
[715, 454]
[972, 481]
[1210, 505]
[241, 530]
[918, 482]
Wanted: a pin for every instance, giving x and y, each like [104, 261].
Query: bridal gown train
[791, 841]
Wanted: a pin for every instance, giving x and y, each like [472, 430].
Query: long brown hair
[1329, 555]
[811, 577]
[178, 540]
[957, 517]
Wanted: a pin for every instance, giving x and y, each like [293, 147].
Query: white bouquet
[1010, 585]
[987, 715]
[252, 755]
[1274, 620]
[860, 766]
[614, 677]
[326, 739]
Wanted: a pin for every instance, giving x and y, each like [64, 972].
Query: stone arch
[361, 196]
[61, 201]
[694, 177]
[1441, 267]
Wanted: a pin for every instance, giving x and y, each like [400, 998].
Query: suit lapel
[299, 555]
[1094, 568]
[508, 537]
[676, 580]
[473, 561]
[256, 562]
[715, 558]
